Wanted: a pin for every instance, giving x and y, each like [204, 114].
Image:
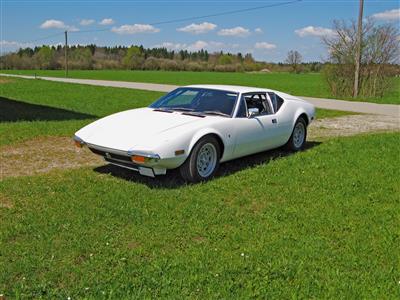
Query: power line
[43, 38]
[178, 20]
[207, 16]
[227, 13]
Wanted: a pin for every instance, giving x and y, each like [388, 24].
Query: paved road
[361, 107]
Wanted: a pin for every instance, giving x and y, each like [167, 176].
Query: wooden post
[66, 53]
[358, 50]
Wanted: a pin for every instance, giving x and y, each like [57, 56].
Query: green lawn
[265, 228]
[41, 108]
[312, 84]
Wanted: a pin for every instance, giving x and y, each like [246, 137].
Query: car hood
[133, 128]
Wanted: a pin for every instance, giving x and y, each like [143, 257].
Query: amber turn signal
[179, 152]
[138, 159]
[78, 144]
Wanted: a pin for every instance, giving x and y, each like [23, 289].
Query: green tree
[225, 59]
[134, 58]
[44, 57]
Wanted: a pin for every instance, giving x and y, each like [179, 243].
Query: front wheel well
[305, 118]
[219, 140]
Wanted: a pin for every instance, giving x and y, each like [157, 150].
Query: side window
[276, 101]
[242, 112]
[258, 101]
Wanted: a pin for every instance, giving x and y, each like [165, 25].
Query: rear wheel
[298, 138]
[203, 161]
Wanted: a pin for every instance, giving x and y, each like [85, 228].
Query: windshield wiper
[214, 112]
[163, 110]
[195, 114]
[182, 109]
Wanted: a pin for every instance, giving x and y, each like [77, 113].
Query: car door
[282, 118]
[255, 133]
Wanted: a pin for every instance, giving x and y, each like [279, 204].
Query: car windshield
[198, 101]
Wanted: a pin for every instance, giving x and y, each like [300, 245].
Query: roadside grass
[328, 113]
[32, 108]
[310, 84]
[322, 223]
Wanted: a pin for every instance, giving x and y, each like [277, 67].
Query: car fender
[298, 113]
[203, 132]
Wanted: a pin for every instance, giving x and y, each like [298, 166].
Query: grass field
[312, 84]
[321, 223]
[265, 228]
[41, 108]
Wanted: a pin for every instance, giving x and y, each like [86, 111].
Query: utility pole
[66, 53]
[358, 49]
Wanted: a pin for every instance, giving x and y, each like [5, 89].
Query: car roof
[231, 88]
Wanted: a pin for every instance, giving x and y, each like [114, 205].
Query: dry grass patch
[352, 125]
[5, 202]
[5, 80]
[42, 155]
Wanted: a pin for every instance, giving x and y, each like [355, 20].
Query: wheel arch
[301, 114]
[204, 133]
[305, 117]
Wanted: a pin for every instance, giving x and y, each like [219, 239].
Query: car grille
[110, 155]
[120, 163]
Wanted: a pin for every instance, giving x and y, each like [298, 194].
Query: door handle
[274, 121]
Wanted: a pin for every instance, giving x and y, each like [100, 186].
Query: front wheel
[203, 161]
[298, 138]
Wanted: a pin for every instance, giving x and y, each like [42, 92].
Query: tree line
[133, 58]
[92, 57]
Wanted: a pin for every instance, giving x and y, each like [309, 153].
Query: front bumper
[123, 160]
[152, 165]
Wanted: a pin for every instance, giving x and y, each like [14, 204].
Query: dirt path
[44, 154]
[352, 125]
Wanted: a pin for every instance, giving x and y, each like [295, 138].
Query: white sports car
[195, 128]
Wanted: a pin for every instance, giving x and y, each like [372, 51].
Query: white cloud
[86, 22]
[48, 24]
[107, 21]
[171, 46]
[135, 28]
[236, 31]
[198, 45]
[314, 31]
[8, 46]
[198, 28]
[388, 15]
[258, 30]
[72, 28]
[57, 24]
[264, 46]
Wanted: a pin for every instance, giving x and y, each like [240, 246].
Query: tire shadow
[173, 180]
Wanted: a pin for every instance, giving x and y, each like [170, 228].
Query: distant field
[42, 108]
[312, 85]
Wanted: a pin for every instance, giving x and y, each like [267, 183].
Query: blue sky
[267, 33]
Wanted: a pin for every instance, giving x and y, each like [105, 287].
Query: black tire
[294, 143]
[189, 170]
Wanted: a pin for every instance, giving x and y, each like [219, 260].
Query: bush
[169, 65]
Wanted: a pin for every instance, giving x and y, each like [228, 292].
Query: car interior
[260, 102]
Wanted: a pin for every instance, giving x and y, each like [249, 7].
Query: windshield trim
[202, 89]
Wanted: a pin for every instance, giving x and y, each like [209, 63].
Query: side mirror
[253, 112]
